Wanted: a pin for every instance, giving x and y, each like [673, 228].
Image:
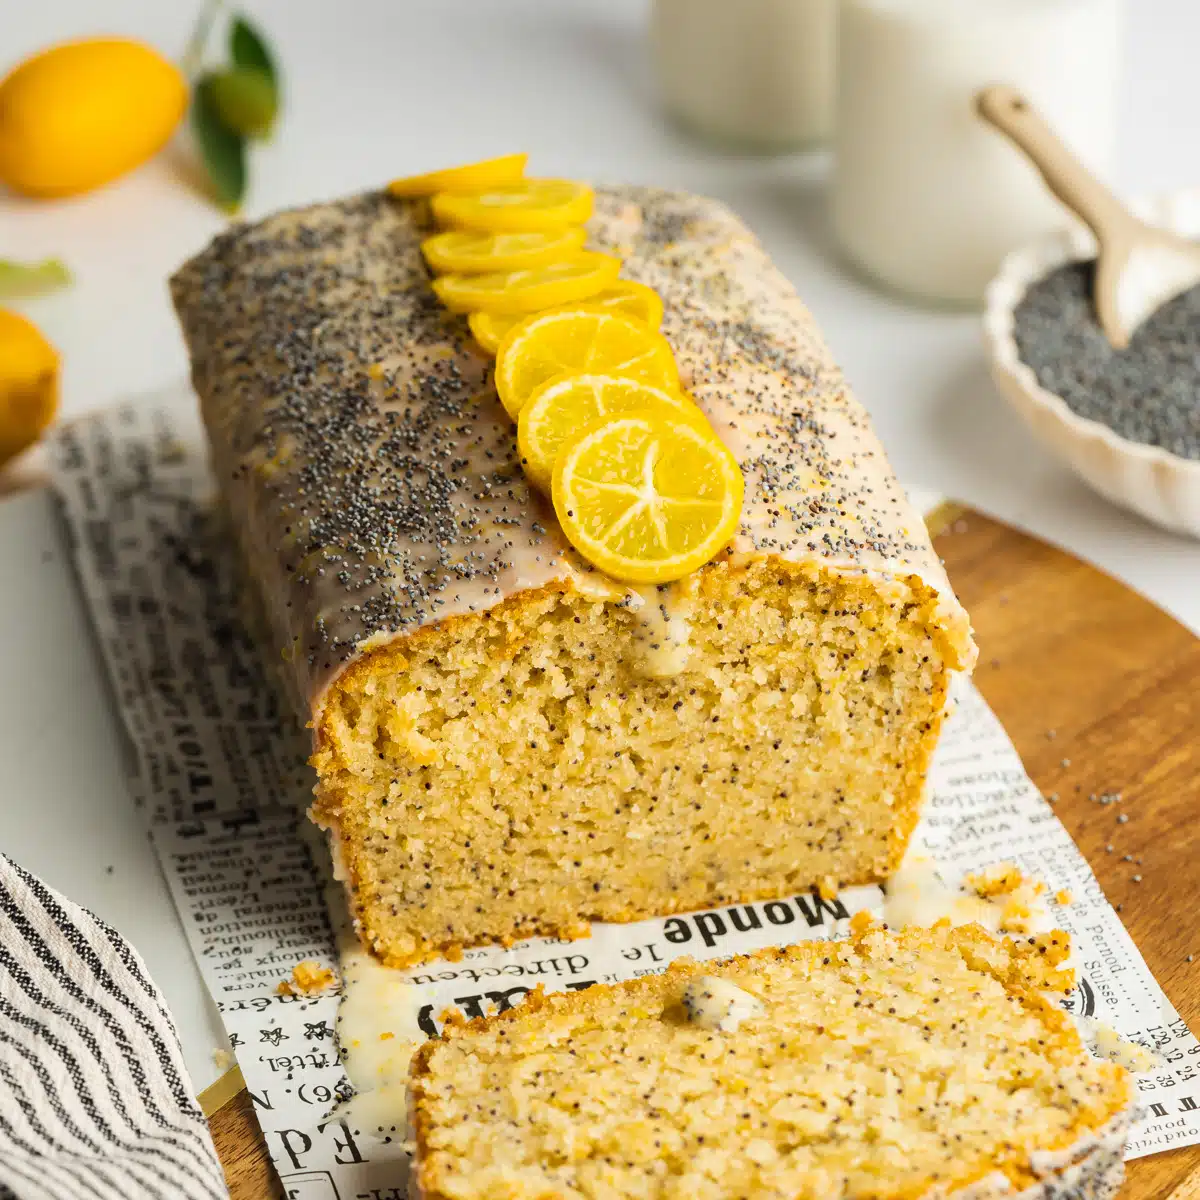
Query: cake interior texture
[891, 1067]
[518, 770]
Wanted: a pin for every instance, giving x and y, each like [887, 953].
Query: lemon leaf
[248, 49]
[32, 279]
[223, 150]
[246, 100]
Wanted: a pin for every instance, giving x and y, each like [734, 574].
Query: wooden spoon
[1139, 267]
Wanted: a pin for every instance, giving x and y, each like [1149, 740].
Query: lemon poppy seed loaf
[919, 1065]
[506, 741]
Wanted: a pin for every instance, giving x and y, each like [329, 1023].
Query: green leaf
[222, 149]
[32, 279]
[246, 101]
[248, 48]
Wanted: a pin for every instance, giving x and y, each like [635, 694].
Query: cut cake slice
[893, 1066]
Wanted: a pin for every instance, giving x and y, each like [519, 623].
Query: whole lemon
[28, 384]
[80, 114]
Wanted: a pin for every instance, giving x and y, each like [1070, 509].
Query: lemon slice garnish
[647, 497]
[489, 329]
[622, 295]
[473, 177]
[529, 204]
[579, 339]
[471, 252]
[562, 406]
[514, 292]
[634, 300]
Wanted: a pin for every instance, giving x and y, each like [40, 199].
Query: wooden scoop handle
[1065, 175]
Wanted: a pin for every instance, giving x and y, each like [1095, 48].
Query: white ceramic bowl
[1162, 487]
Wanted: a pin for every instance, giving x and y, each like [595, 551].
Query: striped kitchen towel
[94, 1098]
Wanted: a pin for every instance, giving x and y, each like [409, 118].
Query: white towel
[95, 1101]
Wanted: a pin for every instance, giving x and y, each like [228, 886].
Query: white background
[377, 88]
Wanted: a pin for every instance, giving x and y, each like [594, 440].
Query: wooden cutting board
[1063, 648]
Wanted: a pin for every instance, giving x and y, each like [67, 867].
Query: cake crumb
[308, 978]
[999, 880]
[1064, 896]
[827, 887]
[1105, 1042]
[222, 1059]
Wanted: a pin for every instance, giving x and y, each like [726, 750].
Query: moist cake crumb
[892, 1065]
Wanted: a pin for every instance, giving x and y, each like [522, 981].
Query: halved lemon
[577, 277]
[647, 497]
[528, 204]
[622, 295]
[577, 340]
[470, 252]
[562, 406]
[472, 177]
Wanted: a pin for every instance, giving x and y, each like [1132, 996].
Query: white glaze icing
[371, 473]
[711, 1002]
[917, 895]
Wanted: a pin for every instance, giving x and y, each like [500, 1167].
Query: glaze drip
[714, 1003]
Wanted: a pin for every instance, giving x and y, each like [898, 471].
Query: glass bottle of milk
[755, 73]
[926, 197]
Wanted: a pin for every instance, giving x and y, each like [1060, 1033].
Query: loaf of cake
[506, 741]
[919, 1065]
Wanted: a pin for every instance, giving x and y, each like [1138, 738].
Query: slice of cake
[507, 742]
[895, 1066]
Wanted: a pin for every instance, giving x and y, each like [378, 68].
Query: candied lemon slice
[489, 328]
[634, 300]
[577, 277]
[577, 340]
[529, 204]
[472, 252]
[647, 497]
[564, 405]
[622, 295]
[473, 177]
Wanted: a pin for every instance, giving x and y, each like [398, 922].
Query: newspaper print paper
[219, 769]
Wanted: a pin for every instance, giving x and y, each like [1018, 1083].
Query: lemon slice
[514, 292]
[489, 328]
[469, 252]
[647, 497]
[578, 340]
[528, 204]
[634, 300]
[473, 177]
[622, 295]
[565, 404]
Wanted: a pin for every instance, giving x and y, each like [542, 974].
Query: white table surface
[377, 88]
